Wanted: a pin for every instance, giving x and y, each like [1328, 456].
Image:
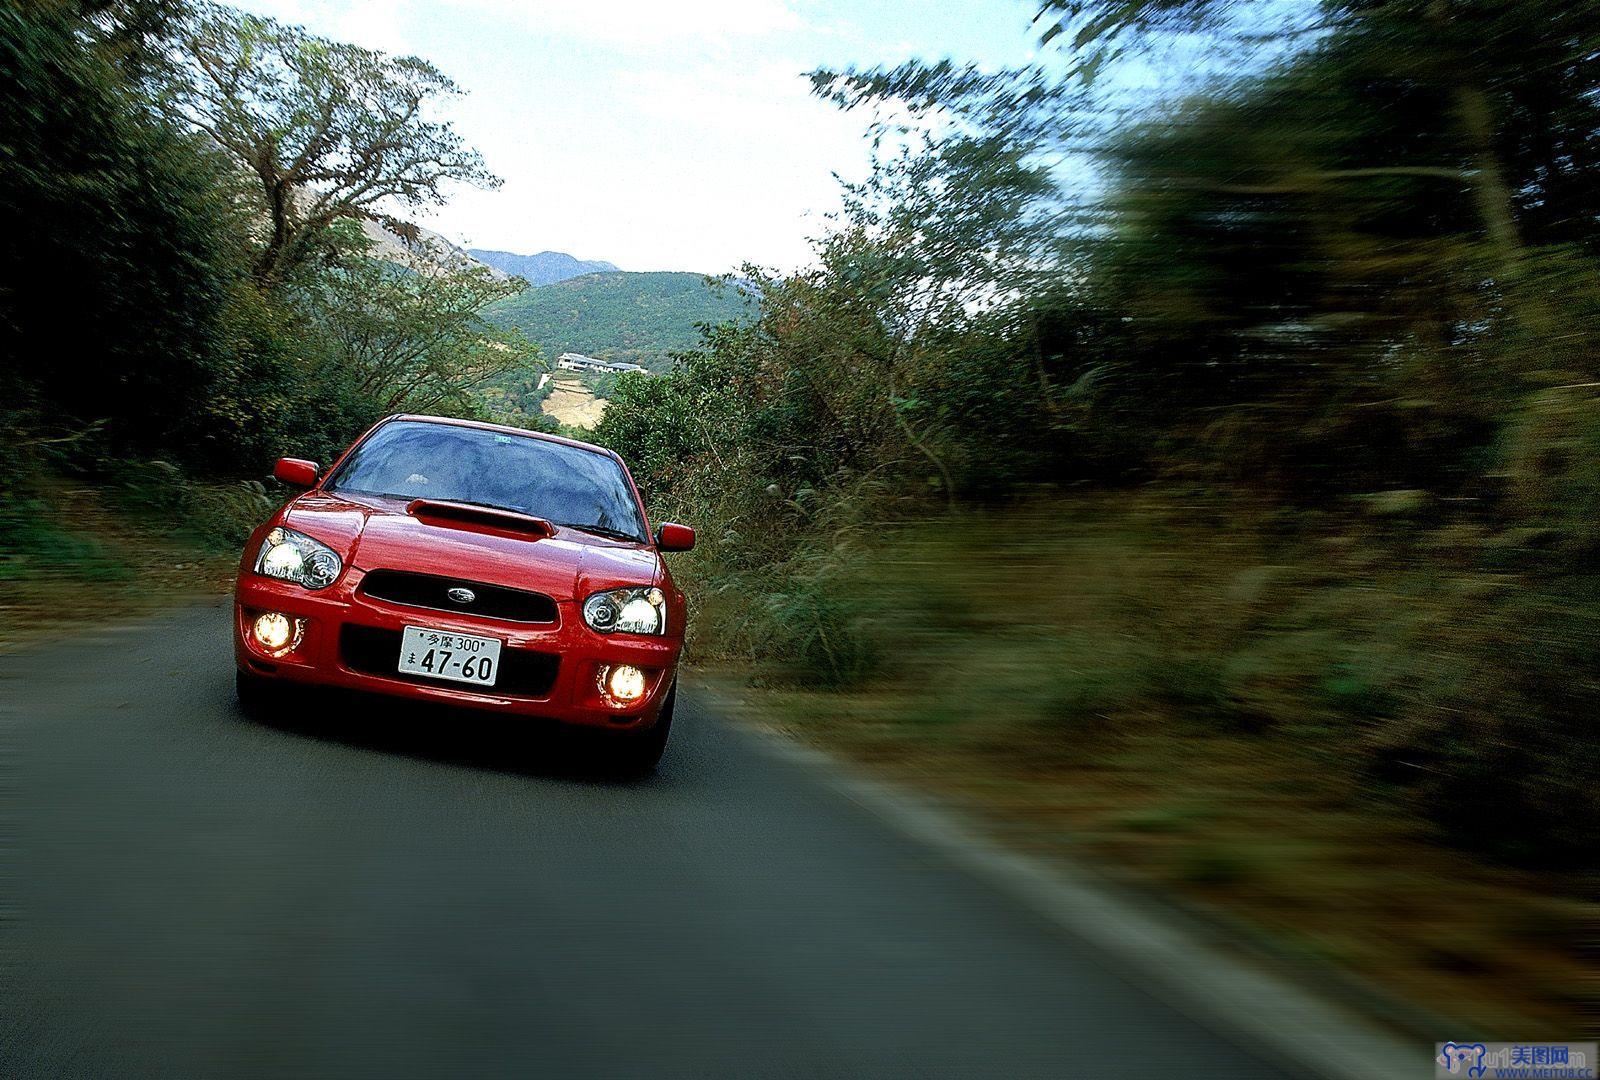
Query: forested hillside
[637, 318]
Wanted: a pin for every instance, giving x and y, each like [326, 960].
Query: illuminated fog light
[623, 684]
[275, 632]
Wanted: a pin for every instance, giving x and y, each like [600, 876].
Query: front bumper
[558, 664]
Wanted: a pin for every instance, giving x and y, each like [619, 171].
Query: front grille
[373, 651]
[429, 591]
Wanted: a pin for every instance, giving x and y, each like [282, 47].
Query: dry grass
[88, 561]
[572, 403]
[1190, 700]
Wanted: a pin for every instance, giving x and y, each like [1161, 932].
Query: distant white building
[571, 361]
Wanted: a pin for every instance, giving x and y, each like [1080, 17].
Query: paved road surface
[193, 895]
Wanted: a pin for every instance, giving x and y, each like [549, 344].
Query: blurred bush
[1058, 630]
[216, 514]
[1271, 414]
[33, 543]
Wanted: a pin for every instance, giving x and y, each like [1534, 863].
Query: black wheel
[637, 753]
[257, 695]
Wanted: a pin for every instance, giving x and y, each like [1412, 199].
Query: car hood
[373, 532]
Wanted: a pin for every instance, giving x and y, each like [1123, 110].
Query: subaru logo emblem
[461, 596]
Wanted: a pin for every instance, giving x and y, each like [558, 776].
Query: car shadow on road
[467, 738]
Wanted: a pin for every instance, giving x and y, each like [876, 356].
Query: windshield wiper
[600, 530]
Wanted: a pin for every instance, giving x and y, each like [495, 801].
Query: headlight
[293, 556]
[641, 610]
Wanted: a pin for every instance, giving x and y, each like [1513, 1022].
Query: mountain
[545, 268]
[419, 249]
[634, 317]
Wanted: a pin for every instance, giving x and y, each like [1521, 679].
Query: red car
[471, 564]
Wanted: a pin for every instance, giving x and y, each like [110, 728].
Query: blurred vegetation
[185, 292]
[1201, 693]
[1326, 297]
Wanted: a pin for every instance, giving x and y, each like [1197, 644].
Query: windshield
[563, 484]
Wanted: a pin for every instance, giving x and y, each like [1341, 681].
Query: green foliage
[408, 340]
[142, 148]
[32, 543]
[1345, 273]
[218, 515]
[116, 215]
[1217, 866]
[1504, 754]
[515, 397]
[323, 129]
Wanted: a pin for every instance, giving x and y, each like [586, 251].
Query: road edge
[1190, 967]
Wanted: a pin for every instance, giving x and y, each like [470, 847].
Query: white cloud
[647, 24]
[659, 134]
[372, 24]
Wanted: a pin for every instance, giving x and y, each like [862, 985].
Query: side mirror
[670, 537]
[296, 472]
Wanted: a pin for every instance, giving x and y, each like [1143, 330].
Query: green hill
[636, 318]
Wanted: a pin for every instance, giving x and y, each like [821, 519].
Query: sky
[659, 134]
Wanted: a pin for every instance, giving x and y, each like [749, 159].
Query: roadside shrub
[819, 633]
[1218, 866]
[1510, 754]
[33, 544]
[1195, 683]
[1552, 474]
[217, 514]
[1447, 694]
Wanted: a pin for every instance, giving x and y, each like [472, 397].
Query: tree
[117, 253]
[326, 129]
[410, 339]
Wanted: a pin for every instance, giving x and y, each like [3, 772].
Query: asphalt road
[420, 893]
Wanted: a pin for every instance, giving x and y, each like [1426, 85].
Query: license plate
[439, 654]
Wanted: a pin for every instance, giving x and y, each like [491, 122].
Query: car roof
[505, 428]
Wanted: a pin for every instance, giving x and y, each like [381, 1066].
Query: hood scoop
[474, 518]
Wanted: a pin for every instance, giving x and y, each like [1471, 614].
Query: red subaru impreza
[473, 564]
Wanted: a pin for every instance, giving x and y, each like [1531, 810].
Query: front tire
[257, 695]
[639, 752]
